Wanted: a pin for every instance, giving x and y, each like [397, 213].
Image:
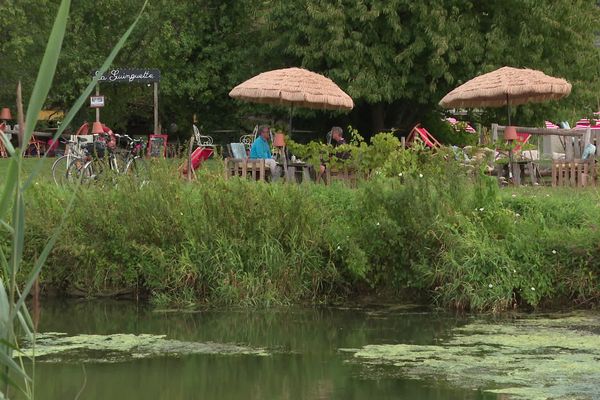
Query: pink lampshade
[97, 128]
[5, 114]
[279, 140]
[510, 133]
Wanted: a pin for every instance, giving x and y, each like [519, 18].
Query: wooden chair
[240, 165]
[3, 150]
[420, 134]
[346, 175]
[38, 145]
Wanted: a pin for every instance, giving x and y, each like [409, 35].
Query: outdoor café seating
[240, 165]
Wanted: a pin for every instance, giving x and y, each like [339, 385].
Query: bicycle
[61, 165]
[93, 166]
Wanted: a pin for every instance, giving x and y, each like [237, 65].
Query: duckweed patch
[58, 347]
[528, 358]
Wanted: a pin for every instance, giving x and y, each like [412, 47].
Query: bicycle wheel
[60, 169]
[80, 171]
[137, 168]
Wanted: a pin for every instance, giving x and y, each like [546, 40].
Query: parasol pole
[508, 108]
[510, 142]
[291, 114]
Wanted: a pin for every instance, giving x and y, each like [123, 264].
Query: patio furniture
[419, 133]
[576, 173]
[240, 165]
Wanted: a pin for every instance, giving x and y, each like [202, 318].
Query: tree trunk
[377, 117]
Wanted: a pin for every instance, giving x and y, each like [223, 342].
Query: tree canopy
[395, 58]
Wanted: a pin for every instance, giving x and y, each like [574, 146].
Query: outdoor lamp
[5, 114]
[97, 128]
[510, 133]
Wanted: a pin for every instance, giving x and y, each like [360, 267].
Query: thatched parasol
[507, 86]
[294, 87]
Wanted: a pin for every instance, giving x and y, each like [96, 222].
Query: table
[297, 170]
[518, 171]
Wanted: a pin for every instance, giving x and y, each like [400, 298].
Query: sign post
[132, 75]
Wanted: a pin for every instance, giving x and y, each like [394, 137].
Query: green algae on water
[526, 358]
[58, 347]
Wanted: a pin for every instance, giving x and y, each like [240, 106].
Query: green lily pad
[58, 347]
[529, 358]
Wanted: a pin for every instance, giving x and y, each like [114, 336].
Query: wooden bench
[345, 174]
[244, 167]
[576, 173]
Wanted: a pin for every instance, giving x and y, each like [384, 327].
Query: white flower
[400, 174]
[515, 271]
[514, 195]
[420, 175]
[490, 286]
[547, 195]
[338, 248]
[481, 209]
[377, 224]
[517, 215]
[37, 183]
[532, 288]
[553, 251]
[181, 213]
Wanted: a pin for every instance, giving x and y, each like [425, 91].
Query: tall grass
[436, 234]
[13, 312]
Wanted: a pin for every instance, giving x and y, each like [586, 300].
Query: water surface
[295, 354]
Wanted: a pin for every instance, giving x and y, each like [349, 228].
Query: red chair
[419, 133]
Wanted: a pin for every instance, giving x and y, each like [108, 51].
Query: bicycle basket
[96, 149]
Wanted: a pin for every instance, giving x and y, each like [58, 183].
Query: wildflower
[420, 175]
[490, 286]
[400, 174]
[533, 289]
[553, 251]
[37, 183]
[514, 195]
[378, 224]
[515, 271]
[547, 195]
[481, 209]
[517, 215]
[338, 248]
[181, 213]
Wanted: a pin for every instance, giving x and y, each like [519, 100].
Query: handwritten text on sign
[130, 76]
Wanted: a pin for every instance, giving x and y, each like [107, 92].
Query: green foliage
[439, 231]
[395, 58]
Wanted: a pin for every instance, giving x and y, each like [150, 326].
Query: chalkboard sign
[157, 146]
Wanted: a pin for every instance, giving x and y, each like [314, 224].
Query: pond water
[123, 350]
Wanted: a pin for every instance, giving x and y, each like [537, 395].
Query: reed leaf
[18, 242]
[10, 183]
[7, 361]
[45, 75]
[8, 145]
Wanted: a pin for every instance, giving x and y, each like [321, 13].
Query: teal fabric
[260, 149]
[238, 150]
[588, 151]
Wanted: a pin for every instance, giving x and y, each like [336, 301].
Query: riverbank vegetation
[435, 233]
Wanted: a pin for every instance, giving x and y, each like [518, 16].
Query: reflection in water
[305, 361]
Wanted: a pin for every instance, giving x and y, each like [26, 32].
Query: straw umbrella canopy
[294, 87]
[505, 87]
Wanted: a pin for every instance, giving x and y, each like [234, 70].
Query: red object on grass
[199, 155]
[418, 132]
